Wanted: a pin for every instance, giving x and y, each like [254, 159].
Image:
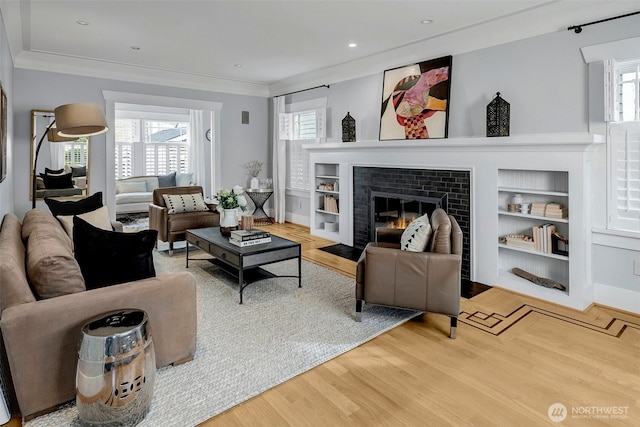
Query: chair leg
[359, 310]
[454, 327]
[170, 248]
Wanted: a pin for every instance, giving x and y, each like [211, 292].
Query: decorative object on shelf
[559, 244]
[228, 202]
[516, 199]
[547, 283]
[498, 117]
[348, 128]
[253, 167]
[417, 92]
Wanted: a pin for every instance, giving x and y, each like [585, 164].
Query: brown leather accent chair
[426, 281]
[171, 227]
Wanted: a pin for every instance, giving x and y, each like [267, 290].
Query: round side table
[259, 196]
[116, 369]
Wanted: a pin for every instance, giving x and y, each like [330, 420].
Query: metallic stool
[116, 369]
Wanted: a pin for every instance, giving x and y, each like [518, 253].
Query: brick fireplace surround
[415, 182]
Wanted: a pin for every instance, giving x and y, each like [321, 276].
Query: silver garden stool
[116, 369]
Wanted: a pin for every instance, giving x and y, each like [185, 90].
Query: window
[301, 126]
[149, 143]
[623, 138]
[76, 152]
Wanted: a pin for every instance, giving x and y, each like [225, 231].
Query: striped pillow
[181, 203]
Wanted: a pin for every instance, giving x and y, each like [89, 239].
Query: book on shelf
[538, 209]
[245, 243]
[330, 204]
[243, 235]
[555, 210]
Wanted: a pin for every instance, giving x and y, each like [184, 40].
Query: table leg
[299, 271]
[240, 282]
[187, 254]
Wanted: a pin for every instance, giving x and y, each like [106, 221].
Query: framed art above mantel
[415, 101]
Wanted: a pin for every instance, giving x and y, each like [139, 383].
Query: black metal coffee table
[244, 263]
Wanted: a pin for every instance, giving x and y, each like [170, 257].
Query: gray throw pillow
[167, 180]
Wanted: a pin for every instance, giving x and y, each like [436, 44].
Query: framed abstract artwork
[3, 134]
[415, 100]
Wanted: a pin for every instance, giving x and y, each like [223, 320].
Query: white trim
[112, 98]
[620, 50]
[163, 101]
[619, 298]
[616, 239]
[298, 193]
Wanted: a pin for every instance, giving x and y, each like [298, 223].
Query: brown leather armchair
[425, 281]
[171, 227]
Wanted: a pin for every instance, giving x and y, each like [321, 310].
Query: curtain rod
[302, 90]
[578, 28]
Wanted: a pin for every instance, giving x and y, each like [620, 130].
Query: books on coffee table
[244, 243]
[252, 237]
[245, 235]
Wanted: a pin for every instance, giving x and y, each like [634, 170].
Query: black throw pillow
[78, 171]
[48, 171]
[167, 180]
[75, 207]
[108, 257]
[57, 181]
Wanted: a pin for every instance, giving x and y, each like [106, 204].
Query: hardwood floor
[513, 358]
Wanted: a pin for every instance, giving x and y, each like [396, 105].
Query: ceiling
[258, 47]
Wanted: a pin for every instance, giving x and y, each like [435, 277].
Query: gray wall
[44, 90]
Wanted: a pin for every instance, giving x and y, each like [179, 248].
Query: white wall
[44, 90]
[6, 79]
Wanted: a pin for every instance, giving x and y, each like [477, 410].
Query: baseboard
[297, 218]
[619, 298]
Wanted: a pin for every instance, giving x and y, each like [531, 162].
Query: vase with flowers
[253, 167]
[228, 203]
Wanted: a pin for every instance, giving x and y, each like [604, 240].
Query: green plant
[231, 199]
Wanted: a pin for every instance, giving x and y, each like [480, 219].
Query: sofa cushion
[441, 224]
[184, 179]
[416, 236]
[142, 197]
[57, 181]
[182, 203]
[14, 287]
[78, 171]
[168, 180]
[132, 186]
[51, 268]
[75, 207]
[108, 258]
[99, 218]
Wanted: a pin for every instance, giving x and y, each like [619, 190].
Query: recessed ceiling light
[82, 23]
[427, 21]
[237, 65]
[353, 44]
[135, 47]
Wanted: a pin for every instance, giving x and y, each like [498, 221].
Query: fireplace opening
[399, 210]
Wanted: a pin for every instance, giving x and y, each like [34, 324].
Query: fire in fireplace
[398, 210]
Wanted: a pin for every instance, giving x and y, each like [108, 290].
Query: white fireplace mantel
[575, 153]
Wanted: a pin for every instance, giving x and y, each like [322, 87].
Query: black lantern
[498, 117]
[348, 128]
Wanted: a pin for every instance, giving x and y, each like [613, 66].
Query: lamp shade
[80, 119]
[52, 136]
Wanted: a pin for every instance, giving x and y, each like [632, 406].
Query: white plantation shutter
[285, 126]
[611, 91]
[624, 162]
[298, 159]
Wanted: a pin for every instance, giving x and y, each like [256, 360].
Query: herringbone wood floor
[514, 357]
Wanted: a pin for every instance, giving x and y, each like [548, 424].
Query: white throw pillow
[416, 236]
[131, 187]
[98, 218]
[184, 179]
[181, 203]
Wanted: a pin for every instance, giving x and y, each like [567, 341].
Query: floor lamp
[71, 122]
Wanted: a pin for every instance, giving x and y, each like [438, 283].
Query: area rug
[280, 331]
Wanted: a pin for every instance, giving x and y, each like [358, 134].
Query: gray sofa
[41, 336]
